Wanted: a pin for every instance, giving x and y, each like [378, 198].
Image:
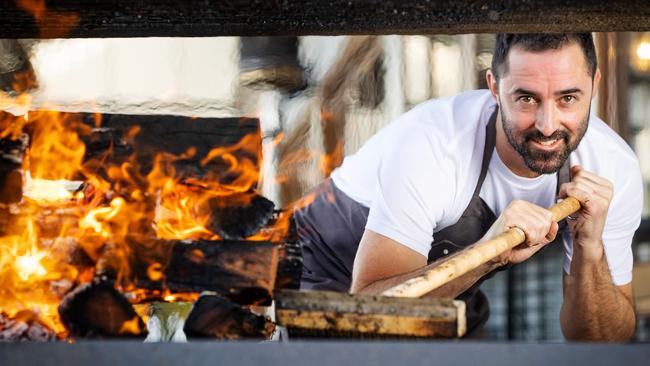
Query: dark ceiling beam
[171, 18]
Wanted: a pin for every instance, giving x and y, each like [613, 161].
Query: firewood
[244, 271]
[144, 136]
[239, 215]
[24, 326]
[217, 317]
[97, 309]
[11, 175]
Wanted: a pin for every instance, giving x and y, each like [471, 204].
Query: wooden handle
[473, 256]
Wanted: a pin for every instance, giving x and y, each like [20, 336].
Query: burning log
[239, 215]
[217, 317]
[11, 176]
[103, 141]
[97, 309]
[24, 326]
[244, 271]
[121, 135]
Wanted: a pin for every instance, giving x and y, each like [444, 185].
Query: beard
[542, 161]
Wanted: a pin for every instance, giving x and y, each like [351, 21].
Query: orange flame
[101, 207]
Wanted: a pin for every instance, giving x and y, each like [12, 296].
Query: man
[466, 168]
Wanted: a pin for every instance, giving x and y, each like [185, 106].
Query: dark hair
[538, 42]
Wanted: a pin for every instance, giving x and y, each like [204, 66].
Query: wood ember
[217, 317]
[11, 175]
[97, 309]
[244, 271]
[24, 326]
[239, 215]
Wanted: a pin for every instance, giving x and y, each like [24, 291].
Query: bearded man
[458, 170]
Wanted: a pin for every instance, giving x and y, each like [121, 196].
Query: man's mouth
[547, 144]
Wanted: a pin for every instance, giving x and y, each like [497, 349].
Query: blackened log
[104, 141]
[24, 326]
[112, 139]
[244, 271]
[290, 265]
[12, 152]
[239, 215]
[97, 309]
[121, 135]
[167, 18]
[217, 317]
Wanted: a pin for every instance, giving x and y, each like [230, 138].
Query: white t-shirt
[417, 176]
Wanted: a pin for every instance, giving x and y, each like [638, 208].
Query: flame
[131, 326]
[28, 272]
[97, 208]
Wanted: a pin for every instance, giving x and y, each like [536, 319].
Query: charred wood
[167, 18]
[97, 309]
[239, 215]
[144, 136]
[12, 152]
[290, 265]
[24, 326]
[217, 317]
[243, 271]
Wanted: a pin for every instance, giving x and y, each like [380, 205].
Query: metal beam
[170, 18]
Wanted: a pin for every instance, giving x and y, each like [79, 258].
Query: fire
[29, 266]
[75, 203]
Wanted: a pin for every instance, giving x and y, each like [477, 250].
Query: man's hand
[535, 221]
[595, 194]
[594, 308]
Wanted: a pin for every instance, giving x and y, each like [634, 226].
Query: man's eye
[568, 99]
[527, 99]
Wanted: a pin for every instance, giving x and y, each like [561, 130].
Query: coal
[98, 310]
[24, 326]
[219, 318]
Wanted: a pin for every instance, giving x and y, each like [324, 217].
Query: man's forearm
[450, 290]
[594, 308]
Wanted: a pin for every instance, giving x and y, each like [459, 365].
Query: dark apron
[330, 229]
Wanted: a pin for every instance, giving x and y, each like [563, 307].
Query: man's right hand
[535, 221]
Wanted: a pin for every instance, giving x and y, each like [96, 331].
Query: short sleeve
[415, 181]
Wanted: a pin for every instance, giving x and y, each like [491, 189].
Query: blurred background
[318, 99]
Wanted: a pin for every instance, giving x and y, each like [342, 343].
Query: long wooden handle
[473, 256]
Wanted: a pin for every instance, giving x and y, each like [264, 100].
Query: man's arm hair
[594, 308]
[382, 263]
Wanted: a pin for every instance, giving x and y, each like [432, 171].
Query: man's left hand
[587, 225]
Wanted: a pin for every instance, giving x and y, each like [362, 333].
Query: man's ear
[596, 83]
[492, 84]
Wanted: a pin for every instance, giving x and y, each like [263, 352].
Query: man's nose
[547, 121]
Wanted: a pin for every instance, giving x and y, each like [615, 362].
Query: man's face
[544, 101]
